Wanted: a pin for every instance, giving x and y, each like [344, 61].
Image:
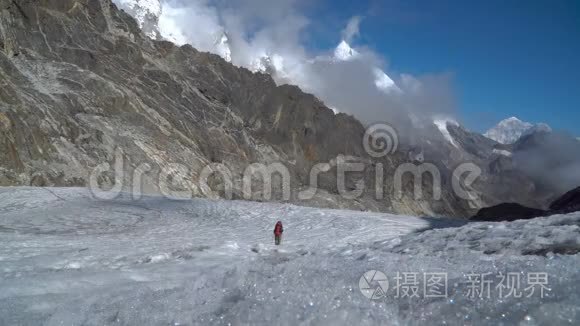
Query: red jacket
[278, 229]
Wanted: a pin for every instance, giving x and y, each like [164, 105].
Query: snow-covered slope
[441, 124]
[538, 128]
[68, 259]
[510, 130]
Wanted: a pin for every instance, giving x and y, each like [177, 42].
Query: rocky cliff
[82, 85]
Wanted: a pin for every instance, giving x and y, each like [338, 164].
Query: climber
[278, 230]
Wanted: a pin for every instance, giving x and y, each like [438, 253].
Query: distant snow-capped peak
[345, 52]
[510, 130]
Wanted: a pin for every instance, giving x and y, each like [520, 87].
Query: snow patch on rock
[442, 124]
[502, 152]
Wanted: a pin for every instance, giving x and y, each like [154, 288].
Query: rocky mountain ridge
[568, 203]
[83, 86]
[80, 81]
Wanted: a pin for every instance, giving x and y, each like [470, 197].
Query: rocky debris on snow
[507, 212]
[556, 234]
[568, 203]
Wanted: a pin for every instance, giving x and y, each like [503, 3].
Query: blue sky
[508, 58]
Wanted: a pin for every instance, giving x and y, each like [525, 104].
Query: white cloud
[195, 22]
[352, 29]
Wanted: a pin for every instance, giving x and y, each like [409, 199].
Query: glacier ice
[66, 258]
